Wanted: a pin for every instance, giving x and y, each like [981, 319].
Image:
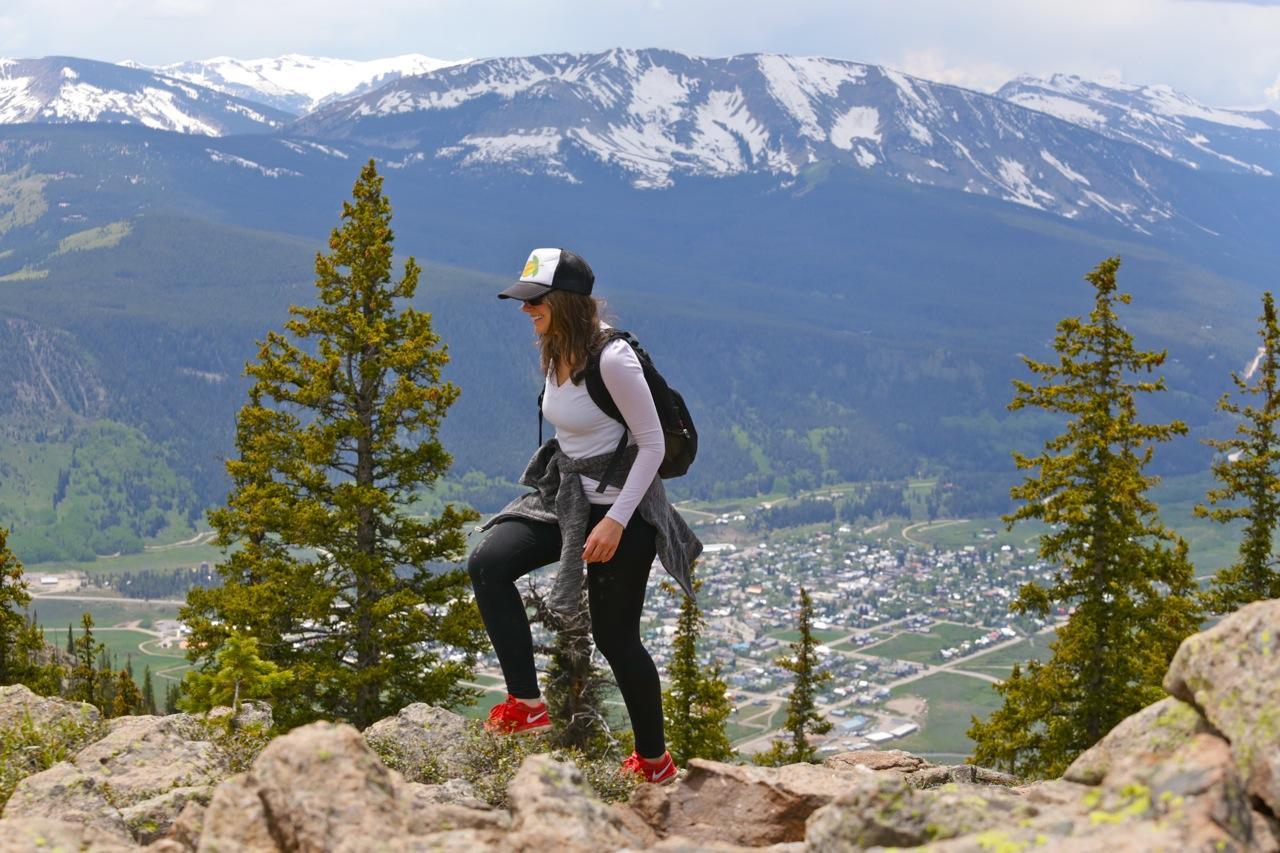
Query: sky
[1221, 52]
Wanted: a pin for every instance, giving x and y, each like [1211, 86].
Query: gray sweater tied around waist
[561, 499]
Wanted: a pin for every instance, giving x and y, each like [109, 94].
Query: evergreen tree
[13, 598]
[1126, 575]
[331, 573]
[148, 691]
[85, 676]
[803, 718]
[696, 706]
[1248, 472]
[171, 698]
[240, 674]
[126, 698]
[71, 641]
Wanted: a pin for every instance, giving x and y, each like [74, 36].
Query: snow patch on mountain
[243, 163]
[856, 123]
[1063, 169]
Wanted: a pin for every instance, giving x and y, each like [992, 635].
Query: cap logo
[530, 267]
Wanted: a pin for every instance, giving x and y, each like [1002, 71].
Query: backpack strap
[601, 397]
[540, 395]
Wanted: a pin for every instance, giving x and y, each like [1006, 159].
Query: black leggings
[615, 592]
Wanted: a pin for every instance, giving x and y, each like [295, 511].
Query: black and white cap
[548, 270]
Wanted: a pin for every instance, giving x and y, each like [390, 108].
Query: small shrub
[235, 747]
[414, 767]
[27, 748]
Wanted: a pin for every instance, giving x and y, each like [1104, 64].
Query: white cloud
[1273, 91]
[983, 76]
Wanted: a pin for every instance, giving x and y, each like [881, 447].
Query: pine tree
[71, 640]
[696, 705]
[803, 718]
[13, 598]
[172, 695]
[148, 691]
[331, 573]
[1126, 575]
[126, 699]
[240, 674]
[85, 677]
[1248, 470]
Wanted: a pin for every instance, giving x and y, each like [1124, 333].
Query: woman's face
[540, 314]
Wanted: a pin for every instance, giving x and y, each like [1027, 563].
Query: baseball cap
[551, 269]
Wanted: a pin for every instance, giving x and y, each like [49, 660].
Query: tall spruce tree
[1248, 469]
[13, 598]
[1126, 575]
[85, 682]
[803, 718]
[331, 573]
[696, 705]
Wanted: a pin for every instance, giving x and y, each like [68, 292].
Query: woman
[612, 528]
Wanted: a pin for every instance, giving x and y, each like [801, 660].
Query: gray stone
[252, 713]
[1147, 737]
[553, 809]
[1231, 673]
[18, 703]
[64, 793]
[145, 756]
[153, 819]
[422, 742]
[32, 834]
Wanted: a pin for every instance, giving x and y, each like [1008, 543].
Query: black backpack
[677, 425]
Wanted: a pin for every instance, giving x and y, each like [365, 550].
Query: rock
[1231, 673]
[455, 792]
[752, 806]
[920, 773]
[251, 714]
[886, 810]
[890, 759]
[318, 788]
[151, 820]
[18, 703]
[23, 835]
[186, 829]
[553, 810]
[423, 742]
[144, 757]
[1149, 736]
[64, 793]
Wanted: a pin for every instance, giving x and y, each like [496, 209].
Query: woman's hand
[603, 541]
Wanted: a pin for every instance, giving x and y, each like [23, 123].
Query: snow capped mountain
[1159, 119]
[659, 115]
[296, 83]
[56, 90]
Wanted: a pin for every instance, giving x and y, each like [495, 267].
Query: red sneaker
[515, 717]
[656, 772]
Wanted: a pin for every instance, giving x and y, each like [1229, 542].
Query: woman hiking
[609, 522]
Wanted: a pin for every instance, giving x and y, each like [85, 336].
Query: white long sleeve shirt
[584, 430]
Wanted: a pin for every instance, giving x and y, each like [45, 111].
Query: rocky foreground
[1199, 770]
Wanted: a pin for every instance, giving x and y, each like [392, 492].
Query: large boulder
[320, 788]
[553, 809]
[1147, 737]
[144, 757]
[423, 742]
[24, 835]
[18, 704]
[752, 806]
[1231, 673]
[65, 793]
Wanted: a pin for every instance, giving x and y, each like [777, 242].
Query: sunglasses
[535, 301]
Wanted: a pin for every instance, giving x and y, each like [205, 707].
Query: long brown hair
[574, 331]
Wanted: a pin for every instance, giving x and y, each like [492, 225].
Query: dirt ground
[911, 707]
